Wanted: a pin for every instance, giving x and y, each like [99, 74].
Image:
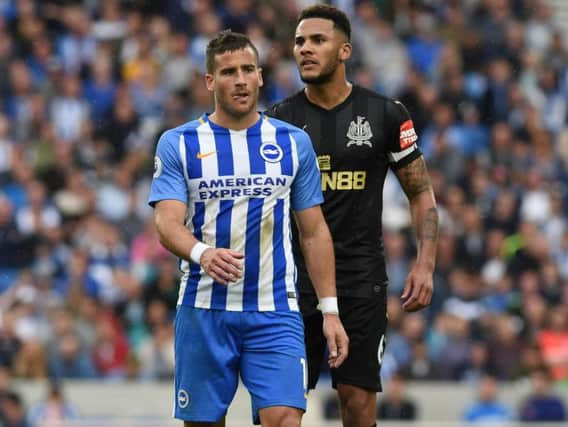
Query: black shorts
[365, 321]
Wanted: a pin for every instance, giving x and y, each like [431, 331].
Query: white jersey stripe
[265, 288]
[235, 290]
[295, 159]
[240, 153]
[290, 265]
[239, 215]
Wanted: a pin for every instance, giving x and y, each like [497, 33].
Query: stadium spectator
[76, 45]
[420, 366]
[39, 217]
[542, 404]
[395, 404]
[504, 347]
[69, 359]
[53, 409]
[69, 111]
[155, 354]
[5, 383]
[67, 355]
[488, 408]
[100, 88]
[330, 408]
[396, 244]
[454, 347]
[110, 351]
[16, 251]
[553, 342]
[12, 411]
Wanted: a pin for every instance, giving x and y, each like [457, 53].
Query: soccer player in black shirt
[358, 135]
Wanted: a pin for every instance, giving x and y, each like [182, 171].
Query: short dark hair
[325, 11]
[226, 41]
[13, 397]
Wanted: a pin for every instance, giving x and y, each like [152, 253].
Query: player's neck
[223, 119]
[330, 94]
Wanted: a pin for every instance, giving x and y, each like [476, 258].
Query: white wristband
[197, 251]
[328, 305]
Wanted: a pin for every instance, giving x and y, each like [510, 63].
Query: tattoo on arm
[430, 226]
[414, 178]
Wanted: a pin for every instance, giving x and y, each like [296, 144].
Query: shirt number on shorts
[381, 351]
[304, 373]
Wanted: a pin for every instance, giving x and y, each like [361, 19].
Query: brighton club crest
[359, 133]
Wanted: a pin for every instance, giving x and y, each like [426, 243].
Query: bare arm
[169, 216]
[223, 265]
[415, 181]
[317, 248]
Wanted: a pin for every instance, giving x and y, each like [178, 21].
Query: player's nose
[306, 48]
[305, 51]
[240, 78]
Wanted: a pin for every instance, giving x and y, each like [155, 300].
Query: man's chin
[308, 78]
[239, 113]
[315, 79]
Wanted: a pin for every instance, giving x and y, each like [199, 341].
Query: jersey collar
[256, 126]
[338, 107]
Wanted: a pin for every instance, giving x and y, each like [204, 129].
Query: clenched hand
[223, 265]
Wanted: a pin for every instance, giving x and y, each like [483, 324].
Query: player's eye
[299, 41]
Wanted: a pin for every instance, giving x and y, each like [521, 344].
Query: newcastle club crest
[359, 133]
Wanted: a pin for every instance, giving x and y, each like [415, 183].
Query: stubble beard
[324, 77]
[234, 112]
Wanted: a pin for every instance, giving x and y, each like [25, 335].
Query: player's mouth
[240, 96]
[308, 63]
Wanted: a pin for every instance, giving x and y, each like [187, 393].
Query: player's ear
[345, 51]
[210, 82]
[260, 79]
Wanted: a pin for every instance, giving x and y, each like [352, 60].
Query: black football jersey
[356, 142]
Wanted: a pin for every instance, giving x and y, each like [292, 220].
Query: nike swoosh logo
[201, 155]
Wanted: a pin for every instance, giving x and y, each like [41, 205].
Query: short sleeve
[306, 188]
[168, 181]
[278, 111]
[402, 147]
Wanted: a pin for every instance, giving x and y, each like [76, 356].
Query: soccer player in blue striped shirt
[222, 190]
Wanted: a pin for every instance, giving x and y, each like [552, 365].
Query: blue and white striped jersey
[239, 187]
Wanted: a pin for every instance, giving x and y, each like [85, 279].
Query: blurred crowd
[536, 402]
[86, 87]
